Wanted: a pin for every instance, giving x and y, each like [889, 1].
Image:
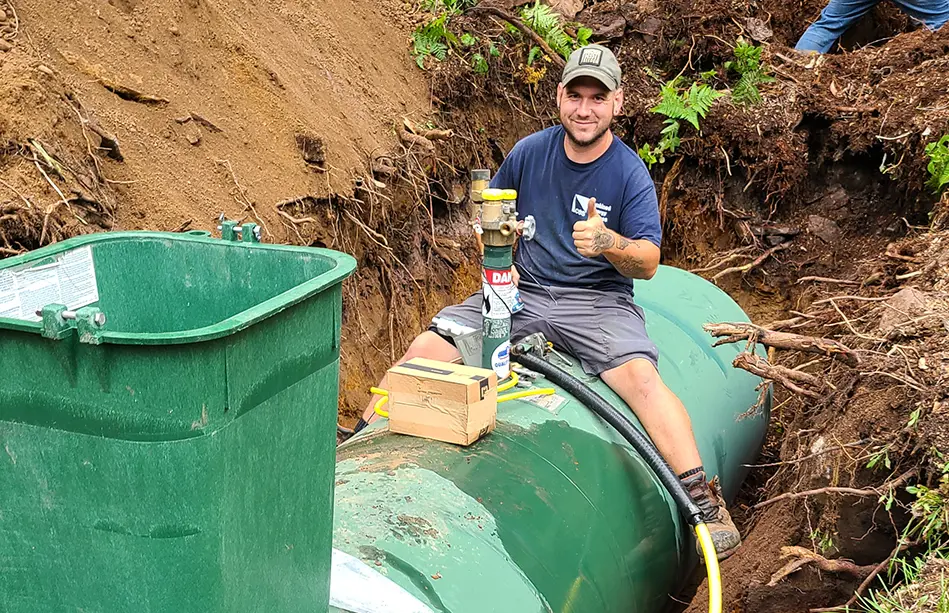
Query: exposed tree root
[781, 340]
[803, 557]
[793, 380]
[848, 491]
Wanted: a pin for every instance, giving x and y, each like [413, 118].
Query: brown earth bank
[809, 207]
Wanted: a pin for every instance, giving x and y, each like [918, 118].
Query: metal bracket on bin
[90, 321]
[57, 323]
[247, 233]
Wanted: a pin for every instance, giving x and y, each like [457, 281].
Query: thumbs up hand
[591, 237]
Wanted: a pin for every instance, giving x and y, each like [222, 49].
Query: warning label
[552, 402]
[499, 286]
[493, 305]
[70, 280]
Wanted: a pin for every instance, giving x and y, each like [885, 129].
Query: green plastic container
[553, 511]
[179, 456]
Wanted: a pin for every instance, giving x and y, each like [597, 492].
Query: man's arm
[634, 259]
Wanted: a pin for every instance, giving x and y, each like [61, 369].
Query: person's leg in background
[834, 20]
[932, 13]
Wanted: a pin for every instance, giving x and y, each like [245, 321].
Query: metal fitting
[99, 318]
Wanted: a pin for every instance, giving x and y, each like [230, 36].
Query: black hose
[624, 426]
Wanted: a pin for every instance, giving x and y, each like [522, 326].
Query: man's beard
[588, 142]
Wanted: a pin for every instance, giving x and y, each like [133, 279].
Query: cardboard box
[444, 401]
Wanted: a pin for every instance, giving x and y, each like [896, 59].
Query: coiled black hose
[621, 424]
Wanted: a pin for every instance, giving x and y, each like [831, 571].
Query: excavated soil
[311, 118]
[217, 107]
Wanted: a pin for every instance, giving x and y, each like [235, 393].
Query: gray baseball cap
[593, 61]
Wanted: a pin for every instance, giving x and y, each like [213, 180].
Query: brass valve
[498, 219]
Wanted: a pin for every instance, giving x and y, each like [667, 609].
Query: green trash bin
[168, 424]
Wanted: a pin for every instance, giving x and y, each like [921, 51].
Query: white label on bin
[70, 280]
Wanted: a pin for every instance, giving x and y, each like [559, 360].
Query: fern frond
[544, 20]
[746, 91]
[670, 136]
[427, 41]
[747, 58]
[533, 54]
[670, 103]
[747, 63]
[701, 98]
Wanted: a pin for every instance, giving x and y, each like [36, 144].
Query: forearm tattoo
[629, 264]
[603, 240]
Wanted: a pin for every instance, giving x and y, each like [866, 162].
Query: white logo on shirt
[581, 203]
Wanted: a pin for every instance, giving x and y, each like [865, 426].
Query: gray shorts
[601, 329]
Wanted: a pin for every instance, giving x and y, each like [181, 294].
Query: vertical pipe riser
[498, 291]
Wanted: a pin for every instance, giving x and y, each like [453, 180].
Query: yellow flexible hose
[544, 391]
[378, 408]
[511, 382]
[711, 567]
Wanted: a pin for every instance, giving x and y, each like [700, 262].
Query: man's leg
[668, 424]
[834, 20]
[607, 332]
[658, 409]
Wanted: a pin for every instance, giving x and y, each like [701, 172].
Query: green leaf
[583, 36]
[938, 167]
[546, 22]
[747, 64]
[745, 91]
[468, 40]
[533, 54]
[648, 155]
[479, 64]
[913, 418]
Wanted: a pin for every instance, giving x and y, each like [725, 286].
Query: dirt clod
[825, 229]
[312, 149]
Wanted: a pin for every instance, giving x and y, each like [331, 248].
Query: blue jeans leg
[834, 20]
[839, 15]
[933, 13]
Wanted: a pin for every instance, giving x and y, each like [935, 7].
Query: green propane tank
[553, 511]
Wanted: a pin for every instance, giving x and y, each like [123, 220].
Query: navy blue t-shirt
[556, 191]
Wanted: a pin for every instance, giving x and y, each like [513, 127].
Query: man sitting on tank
[597, 230]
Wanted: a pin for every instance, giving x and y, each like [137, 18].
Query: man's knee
[637, 377]
[431, 346]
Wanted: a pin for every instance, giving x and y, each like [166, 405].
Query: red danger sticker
[499, 277]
